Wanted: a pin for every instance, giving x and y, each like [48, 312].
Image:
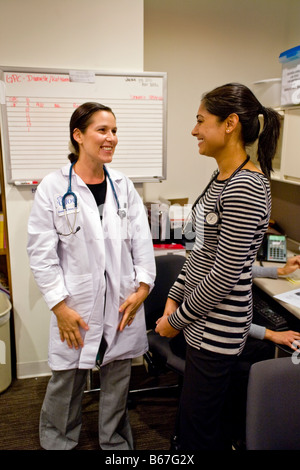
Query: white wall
[200, 44]
[90, 34]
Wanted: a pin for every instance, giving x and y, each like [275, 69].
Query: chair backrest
[273, 409]
[167, 269]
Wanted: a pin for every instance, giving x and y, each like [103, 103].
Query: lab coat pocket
[61, 357]
[81, 297]
[127, 287]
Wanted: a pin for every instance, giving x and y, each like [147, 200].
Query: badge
[69, 202]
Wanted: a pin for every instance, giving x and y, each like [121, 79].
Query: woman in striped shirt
[211, 300]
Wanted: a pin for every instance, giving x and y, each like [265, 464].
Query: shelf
[285, 163]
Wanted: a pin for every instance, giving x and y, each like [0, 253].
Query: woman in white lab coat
[91, 254]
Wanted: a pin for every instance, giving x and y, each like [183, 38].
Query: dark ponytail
[81, 119]
[268, 139]
[238, 99]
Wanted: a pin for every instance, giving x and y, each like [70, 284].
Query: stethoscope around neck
[121, 212]
[212, 217]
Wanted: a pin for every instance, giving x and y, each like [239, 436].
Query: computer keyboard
[269, 318]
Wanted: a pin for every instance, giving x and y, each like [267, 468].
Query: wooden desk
[278, 286]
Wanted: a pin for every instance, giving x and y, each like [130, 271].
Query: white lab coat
[93, 270]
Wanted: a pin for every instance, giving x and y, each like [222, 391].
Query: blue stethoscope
[121, 212]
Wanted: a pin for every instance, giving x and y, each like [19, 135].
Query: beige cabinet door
[290, 160]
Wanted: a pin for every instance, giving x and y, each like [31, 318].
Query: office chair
[160, 356]
[273, 411]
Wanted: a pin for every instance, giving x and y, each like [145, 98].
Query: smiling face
[210, 132]
[97, 143]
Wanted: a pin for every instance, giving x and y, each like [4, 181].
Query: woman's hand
[69, 322]
[132, 304]
[164, 328]
[291, 265]
[288, 338]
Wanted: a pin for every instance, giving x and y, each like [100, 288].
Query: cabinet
[5, 272]
[290, 155]
[286, 163]
[5, 276]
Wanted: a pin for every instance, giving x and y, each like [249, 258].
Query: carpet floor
[152, 413]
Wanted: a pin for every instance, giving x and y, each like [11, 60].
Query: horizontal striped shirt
[214, 288]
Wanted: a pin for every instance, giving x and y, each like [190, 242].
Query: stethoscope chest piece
[212, 218]
[122, 213]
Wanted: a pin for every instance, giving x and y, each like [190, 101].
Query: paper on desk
[294, 278]
[293, 281]
[292, 297]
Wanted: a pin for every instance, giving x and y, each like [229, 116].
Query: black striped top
[214, 286]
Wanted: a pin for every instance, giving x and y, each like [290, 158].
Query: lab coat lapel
[112, 231]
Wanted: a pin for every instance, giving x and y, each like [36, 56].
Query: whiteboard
[36, 107]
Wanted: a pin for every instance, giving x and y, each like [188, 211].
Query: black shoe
[238, 444]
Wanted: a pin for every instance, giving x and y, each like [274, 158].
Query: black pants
[203, 412]
[219, 383]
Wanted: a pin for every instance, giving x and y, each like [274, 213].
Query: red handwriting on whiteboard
[13, 100]
[13, 78]
[30, 77]
[58, 78]
[36, 78]
[138, 97]
[142, 97]
[27, 113]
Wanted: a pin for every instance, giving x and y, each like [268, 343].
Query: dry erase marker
[19, 183]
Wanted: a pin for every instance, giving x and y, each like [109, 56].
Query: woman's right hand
[170, 307]
[291, 265]
[69, 322]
